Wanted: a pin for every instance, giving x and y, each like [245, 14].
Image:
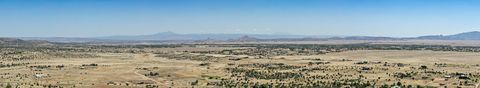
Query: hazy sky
[84, 18]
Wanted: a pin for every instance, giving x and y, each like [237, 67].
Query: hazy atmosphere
[93, 18]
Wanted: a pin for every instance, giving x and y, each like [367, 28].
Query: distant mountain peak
[473, 35]
[472, 32]
[166, 33]
[245, 38]
[169, 35]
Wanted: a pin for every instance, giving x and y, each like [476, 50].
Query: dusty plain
[231, 65]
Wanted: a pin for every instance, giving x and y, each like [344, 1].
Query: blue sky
[87, 18]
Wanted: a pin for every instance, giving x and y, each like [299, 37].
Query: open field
[242, 65]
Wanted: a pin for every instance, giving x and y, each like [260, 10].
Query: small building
[377, 62]
[399, 64]
[396, 87]
[463, 77]
[366, 68]
[39, 75]
[447, 76]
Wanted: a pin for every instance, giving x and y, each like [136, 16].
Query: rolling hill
[15, 41]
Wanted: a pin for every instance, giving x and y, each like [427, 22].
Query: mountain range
[171, 36]
[176, 36]
[474, 35]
